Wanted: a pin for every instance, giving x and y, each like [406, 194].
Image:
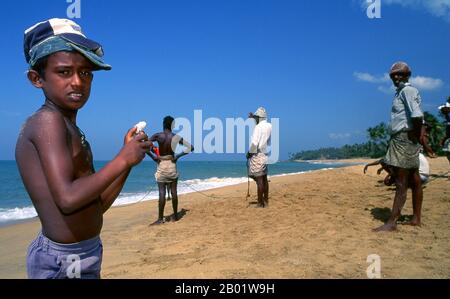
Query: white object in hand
[140, 126]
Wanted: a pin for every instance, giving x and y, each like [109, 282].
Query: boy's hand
[129, 136]
[135, 147]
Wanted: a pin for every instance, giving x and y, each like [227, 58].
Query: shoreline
[181, 184]
[321, 222]
[339, 161]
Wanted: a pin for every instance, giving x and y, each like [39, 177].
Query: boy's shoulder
[43, 120]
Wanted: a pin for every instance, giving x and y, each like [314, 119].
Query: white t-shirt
[261, 136]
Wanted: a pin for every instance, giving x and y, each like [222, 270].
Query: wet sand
[318, 225]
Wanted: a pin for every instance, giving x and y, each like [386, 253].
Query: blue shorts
[50, 260]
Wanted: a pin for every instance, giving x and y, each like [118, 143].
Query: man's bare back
[165, 140]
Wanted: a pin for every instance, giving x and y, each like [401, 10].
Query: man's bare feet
[157, 222]
[414, 222]
[388, 227]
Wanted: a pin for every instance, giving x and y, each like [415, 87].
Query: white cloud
[421, 82]
[339, 135]
[426, 83]
[386, 89]
[366, 77]
[437, 8]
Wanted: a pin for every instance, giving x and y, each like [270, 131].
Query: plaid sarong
[402, 152]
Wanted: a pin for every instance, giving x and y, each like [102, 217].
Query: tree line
[376, 146]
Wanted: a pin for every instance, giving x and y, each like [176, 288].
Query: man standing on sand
[257, 155]
[405, 145]
[166, 174]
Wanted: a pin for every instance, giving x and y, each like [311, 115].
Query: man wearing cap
[55, 159]
[405, 145]
[257, 155]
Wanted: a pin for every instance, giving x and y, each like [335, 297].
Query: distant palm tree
[436, 131]
[378, 140]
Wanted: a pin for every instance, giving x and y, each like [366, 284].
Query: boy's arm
[112, 192]
[72, 194]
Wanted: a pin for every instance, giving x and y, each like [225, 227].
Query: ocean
[15, 204]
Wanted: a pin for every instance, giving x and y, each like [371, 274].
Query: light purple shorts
[50, 260]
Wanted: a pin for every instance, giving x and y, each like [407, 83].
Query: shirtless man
[55, 159]
[167, 174]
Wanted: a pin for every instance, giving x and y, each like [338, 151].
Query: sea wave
[184, 187]
[127, 198]
[7, 215]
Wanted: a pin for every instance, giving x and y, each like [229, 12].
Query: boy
[55, 159]
[166, 174]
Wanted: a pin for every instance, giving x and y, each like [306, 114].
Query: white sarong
[257, 165]
[167, 170]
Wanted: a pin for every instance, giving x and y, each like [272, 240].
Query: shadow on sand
[170, 218]
[383, 214]
[180, 215]
[439, 176]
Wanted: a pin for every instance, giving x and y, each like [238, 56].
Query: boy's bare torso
[86, 222]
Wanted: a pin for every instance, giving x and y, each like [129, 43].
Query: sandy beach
[318, 225]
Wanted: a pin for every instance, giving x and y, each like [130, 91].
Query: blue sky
[318, 66]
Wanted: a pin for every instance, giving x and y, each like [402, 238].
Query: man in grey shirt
[405, 145]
